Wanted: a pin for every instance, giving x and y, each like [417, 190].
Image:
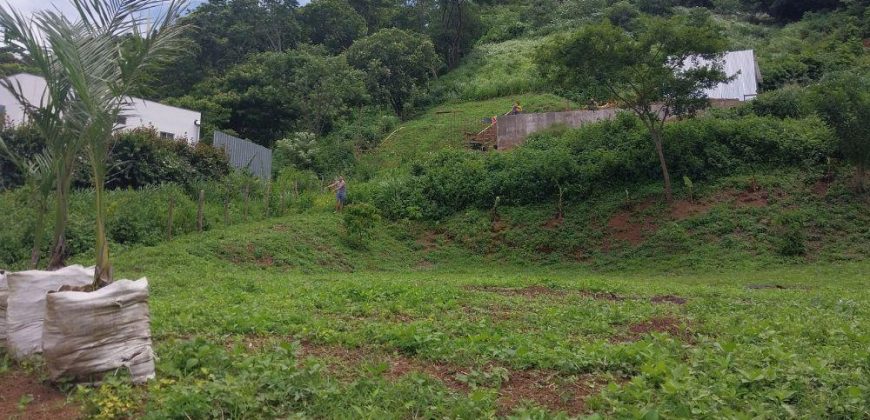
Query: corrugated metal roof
[741, 64]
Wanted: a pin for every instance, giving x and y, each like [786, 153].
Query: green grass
[284, 317]
[498, 69]
[443, 127]
[801, 349]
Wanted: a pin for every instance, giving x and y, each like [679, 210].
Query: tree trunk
[58, 248]
[657, 139]
[103, 270]
[36, 251]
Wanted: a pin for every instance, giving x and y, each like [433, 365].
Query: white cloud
[30, 6]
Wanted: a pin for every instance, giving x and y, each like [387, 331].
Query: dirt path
[23, 396]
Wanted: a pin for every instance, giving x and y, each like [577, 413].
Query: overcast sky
[65, 6]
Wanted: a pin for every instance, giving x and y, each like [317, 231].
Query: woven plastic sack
[4, 293]
[91, 333]
[25, 310]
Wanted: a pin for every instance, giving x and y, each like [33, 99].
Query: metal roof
[741, 64]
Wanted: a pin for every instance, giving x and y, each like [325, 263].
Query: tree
[272, 94]
[658, 72]
[333, 24]
[397, 63]
[843, 100]
[100, 75]
[454, 29]
[790, 9]
[47, 116]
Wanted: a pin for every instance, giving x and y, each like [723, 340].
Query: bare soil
[663, 324]
[45, 402]
[535, 291]
[676, 300]
[683, 209]
[549, 389]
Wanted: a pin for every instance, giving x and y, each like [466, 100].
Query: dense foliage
[598, 158]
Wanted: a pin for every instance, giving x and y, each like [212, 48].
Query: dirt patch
[528, 291]
[548, 389]
[446, 373]
[553, 222]
[535, 291]
[429, 241]
[752, 198]
[821, 187]
[676, 300]
[622, 227]
[664, 324]
[279, 228]
[603, 296]
[24, 397]
[683, 209]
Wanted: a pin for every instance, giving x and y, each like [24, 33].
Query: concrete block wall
[513, 129]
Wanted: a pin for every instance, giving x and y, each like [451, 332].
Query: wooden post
[281, 208]
[171, 210]
[296, 190]
[266, 198]
[247, 194]
[200, 210]
[227, 209]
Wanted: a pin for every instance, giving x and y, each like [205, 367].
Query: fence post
[200, 210]
[266, 198]
[247, 193]
[227, 210]
[171, 210]
[282, 208]
[296, 190]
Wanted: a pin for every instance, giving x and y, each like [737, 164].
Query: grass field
[475, 340]
[282, 318]
[694, 315]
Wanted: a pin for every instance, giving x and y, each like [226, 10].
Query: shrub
[788, 102]
[140, 157]
[790, 235]
[296, 151]
[359, 221]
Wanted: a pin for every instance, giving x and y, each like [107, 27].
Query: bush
[598, 158]
[359, 221]
[23, 141]
[788, 102]
[140, 157]
[790, 235]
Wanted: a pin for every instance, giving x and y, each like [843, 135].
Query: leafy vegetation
[551, 280]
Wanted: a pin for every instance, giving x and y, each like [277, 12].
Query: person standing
[340, 188]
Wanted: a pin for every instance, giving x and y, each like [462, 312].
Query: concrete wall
[178, 122]
[513, 129]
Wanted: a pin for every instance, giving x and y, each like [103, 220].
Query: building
[171, 122]
[747, 76]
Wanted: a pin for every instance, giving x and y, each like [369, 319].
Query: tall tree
[333, 24]
[454, 29]
[397, 64]
[657, 72]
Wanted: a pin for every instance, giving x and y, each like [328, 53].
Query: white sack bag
[25, 309]
[90, 333]
[4, 293]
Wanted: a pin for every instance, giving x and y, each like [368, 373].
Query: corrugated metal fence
[244, 154]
